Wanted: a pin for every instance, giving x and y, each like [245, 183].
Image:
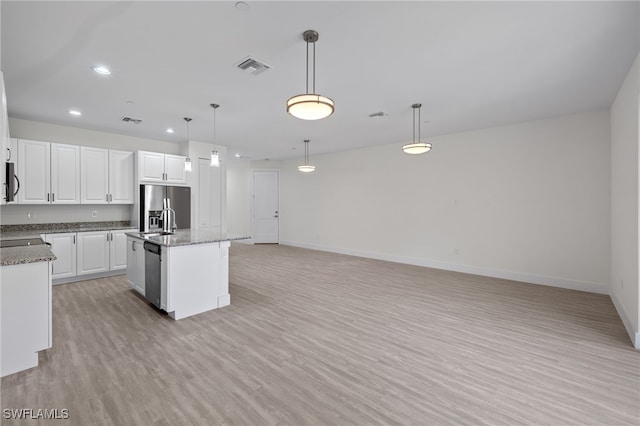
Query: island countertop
[25, 254]
[185, 237]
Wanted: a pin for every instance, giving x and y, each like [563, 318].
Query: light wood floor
[317, 338]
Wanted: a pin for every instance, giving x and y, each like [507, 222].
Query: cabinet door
[65, 174]
[151, 166]
[174, 169]
[93, 252]
[121, 177]
[64, 247]
[118, 250]
[94, 170]
[34, 160]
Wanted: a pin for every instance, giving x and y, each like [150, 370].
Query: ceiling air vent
[253, 66]
[379, 114]
[131, 120]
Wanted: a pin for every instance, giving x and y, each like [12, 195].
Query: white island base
[195, 278]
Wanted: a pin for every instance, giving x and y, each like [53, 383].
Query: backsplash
[118, 224]
[16, 214]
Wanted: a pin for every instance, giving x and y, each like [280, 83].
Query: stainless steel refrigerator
[151, 205]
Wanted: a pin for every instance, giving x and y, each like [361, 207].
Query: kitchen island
[184, 273]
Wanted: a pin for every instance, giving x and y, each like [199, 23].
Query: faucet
[169, 216]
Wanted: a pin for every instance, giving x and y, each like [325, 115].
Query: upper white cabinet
[48, 173]
[107, 176]
[65, 174]
[121, 184]
[155, 167]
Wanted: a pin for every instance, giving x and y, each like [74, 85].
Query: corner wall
[625, 209]
[528, 202]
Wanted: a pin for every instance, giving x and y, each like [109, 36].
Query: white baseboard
[247, 241]
[634, 335]
[476, 270]
[88, 277]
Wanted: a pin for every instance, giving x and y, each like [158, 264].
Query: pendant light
[310, 106]
[306, 167]
[416, 147]
[215, 157]
[187, 163]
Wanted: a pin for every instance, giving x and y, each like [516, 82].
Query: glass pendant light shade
[187, 163]
[306, 167]
[416, 147]
[215, 158]
[309, 105]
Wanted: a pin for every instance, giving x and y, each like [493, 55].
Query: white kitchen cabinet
[121, 182]
[25, 292]
[94, 169]
[63, 245]
[174, 171]
[34, 162]
[107, 176]
[93, 252]
[48, 173]
[9, 154]
[155, 167]
[118, 249]
[65, 174]
[135, 264]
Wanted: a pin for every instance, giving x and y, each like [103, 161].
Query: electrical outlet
[94, 213]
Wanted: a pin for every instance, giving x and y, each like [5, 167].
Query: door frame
[253, 231]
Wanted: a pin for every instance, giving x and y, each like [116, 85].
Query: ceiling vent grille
[253, 66]
[131, 120]
[379, 114]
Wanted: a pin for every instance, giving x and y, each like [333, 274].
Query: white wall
[203, 150]
[625, 140]
[25, 129]
[239, 197]
[527, 202]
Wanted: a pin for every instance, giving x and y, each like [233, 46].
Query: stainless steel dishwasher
[153, 273]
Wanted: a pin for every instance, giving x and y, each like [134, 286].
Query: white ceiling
[470, 64]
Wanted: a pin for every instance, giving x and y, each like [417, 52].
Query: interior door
[266, 225]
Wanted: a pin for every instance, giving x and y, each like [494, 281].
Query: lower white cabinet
[64, 247]
[118, 249]
[93, 252]
[135, 264]
[85, 253]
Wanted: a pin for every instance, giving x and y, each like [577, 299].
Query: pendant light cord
[307, 80]
[314, 67]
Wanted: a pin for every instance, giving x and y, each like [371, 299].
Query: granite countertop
[185, 237]
[25, 254]
[15, 232]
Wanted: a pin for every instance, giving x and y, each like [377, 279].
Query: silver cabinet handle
[133, 245]
[53, 197]
[74, 239]
[106, 197]
[110, 198]
[48, 195]
[9, 158]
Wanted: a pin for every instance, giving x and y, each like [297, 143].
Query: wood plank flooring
[314, 338]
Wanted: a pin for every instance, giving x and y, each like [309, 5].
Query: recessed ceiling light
[75, 112]
[102, 70]
[242, 6]
[170, 130]
[238, 155]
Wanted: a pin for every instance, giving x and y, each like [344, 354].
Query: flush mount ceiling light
[75, 112]
[215, 157]
[187, 163]
[102, 70]
[310, 106]
[416, 147]
[306, 167]
[170, 130]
